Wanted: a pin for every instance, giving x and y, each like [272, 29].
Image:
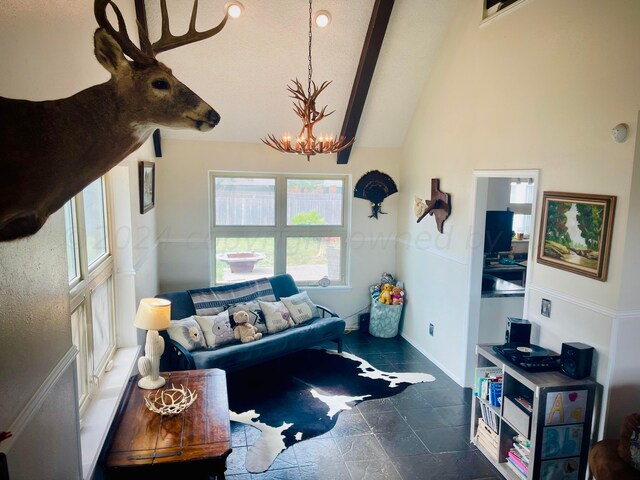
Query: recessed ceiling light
[322, 18]
[234, 9]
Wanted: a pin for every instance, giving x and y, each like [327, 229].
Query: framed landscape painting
[147, 174]
[575, 232]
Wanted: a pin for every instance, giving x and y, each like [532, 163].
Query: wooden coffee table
[194, 444]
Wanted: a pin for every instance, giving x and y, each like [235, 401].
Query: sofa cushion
[241, 355]
[300, 306]
[256, 317]
[276, 315]
[187, 333]
[217, 329]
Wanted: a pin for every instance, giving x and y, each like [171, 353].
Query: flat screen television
[498, 231]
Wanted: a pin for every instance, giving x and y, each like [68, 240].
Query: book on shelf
[522, 450]
[515, 469]
[495, 393]
[524, 402]
[522, 440]
[489, 416]
[482, 376]
[524, 467]
[520, 453]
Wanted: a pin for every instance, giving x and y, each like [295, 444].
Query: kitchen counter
[493, 287]
[515, 273]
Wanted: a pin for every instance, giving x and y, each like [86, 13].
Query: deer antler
[305, 107]
[169, 41]
[121, 36]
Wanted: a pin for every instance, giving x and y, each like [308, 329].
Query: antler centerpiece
[304, 105]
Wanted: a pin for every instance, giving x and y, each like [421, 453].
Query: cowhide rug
[300, 396]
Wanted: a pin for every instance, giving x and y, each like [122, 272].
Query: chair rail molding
[35, 402]
[609, 312]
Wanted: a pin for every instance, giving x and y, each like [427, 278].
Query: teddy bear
[396, 296]
[385, 294]
[244, 331]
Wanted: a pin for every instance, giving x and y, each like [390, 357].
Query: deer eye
[161, 84]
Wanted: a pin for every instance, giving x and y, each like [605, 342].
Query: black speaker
[518, 331]
[575, 359]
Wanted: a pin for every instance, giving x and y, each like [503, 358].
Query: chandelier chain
[304, 106]
[310, 38]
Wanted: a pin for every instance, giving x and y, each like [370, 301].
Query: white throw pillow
[300, 306]
[216, 328]
[277, 316]
[187, 333]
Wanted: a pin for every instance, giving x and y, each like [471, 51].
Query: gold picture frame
[575, 232]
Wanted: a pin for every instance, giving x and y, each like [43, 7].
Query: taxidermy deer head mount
[51, 150]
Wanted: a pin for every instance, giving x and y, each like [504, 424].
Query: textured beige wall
[539, 87]
[183, 212]
[47, 53]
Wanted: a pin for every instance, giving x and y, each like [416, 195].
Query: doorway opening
[503, 237]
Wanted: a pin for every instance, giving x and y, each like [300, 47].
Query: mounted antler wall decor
[439, 206]
[51, 150]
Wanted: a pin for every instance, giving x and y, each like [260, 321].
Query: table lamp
[153, 314]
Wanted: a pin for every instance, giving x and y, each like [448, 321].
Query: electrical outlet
[545, 308]
[431, 329]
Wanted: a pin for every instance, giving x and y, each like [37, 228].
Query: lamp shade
[153, 314]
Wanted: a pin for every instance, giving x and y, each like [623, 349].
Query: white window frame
[280, 232]
[523, 210]
[80, 292]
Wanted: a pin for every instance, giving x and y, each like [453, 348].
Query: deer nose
[213, 117]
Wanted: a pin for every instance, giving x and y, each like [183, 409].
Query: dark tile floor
[419, 434]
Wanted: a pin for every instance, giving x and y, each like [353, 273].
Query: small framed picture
[545, 308]
[147, 179]
[575, 232]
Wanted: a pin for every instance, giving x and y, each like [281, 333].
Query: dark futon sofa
[328, 327]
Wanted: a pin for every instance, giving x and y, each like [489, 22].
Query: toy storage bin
[385, 319]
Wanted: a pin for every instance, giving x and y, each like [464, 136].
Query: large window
[268, 224]
[90, 285]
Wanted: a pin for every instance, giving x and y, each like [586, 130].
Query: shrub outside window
[266, 224]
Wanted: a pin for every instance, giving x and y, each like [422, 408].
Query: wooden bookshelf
[557, 429]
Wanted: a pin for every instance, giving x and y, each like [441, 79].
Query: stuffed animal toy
[244, 331]
[385, 294]
[396, 296]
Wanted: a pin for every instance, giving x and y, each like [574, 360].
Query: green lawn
[300, 251]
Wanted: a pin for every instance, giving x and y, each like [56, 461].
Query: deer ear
[109, 53]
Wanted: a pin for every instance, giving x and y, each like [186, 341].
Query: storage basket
[385, 319]
[487, 439]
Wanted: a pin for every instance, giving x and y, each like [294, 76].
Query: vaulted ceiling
[243, 70]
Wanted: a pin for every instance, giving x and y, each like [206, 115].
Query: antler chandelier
[304, 105]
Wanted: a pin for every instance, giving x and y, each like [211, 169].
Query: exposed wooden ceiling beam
[368, 59]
